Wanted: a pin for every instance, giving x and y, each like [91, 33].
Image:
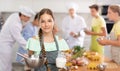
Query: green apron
[51, 58]
[95, 46]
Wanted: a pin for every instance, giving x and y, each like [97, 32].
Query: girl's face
[46, 23]
[111, 15]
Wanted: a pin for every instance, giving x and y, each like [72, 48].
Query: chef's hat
[26, 11]
[72, 5]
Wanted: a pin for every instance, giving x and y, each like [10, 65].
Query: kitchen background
[59, 8]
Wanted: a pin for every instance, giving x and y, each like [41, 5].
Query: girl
[114, 15]
[49, 41]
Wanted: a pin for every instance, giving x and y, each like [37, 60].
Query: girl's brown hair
[49, 12]
[43, 11]
[115, 8]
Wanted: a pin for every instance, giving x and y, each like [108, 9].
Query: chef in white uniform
[11, 33]
[73, 27]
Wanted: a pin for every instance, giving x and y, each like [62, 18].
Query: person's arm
[81, 32]
[103, 29]
[114, 42]
[31, 45]
[102, 33]
[27, 35]
[28, 32]
[110, 42]
[15, 31]
[29, 54]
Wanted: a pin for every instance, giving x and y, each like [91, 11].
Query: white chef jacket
[76, 25]
[10, 33]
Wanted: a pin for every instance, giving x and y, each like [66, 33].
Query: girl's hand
[26, 55]
[103, 41]
[22, 60]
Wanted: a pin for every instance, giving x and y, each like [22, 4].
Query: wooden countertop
[111, 66]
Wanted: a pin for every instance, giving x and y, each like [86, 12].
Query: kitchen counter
[111, 66]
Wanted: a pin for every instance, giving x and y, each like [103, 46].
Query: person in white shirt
[11, 33]
[73, 27]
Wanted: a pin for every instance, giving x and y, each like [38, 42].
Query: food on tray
[74, 68]
[79, 61]
[68, 51]
[94, 56]
[78, 57]
[68, 64]
[92, 66]
[78, 52]
[74, 62]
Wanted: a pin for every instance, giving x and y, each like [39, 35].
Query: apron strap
[41, 44]
[57, 46]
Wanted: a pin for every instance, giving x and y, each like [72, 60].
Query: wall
[55, 5]
[36, 5]
[107, 2]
